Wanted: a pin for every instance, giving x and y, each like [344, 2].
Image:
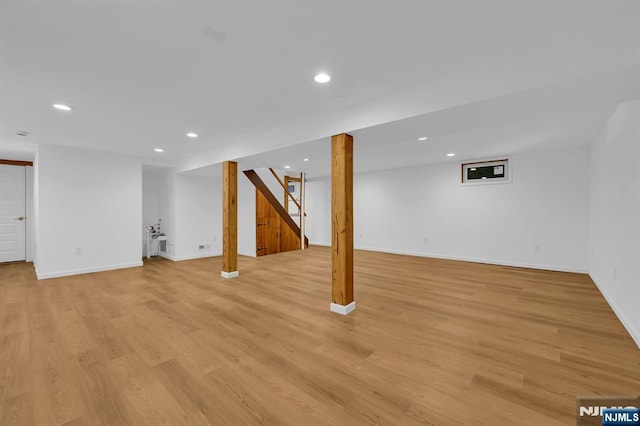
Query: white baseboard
[342, 310]
[190, 256]
[480, 260]
[470, 259]
[67, 273]
[628, 325]
[233, 274]
[168, 256]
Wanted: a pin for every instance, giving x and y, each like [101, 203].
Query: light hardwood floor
[431, 342]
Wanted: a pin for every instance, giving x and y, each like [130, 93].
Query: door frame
[29, 204]
[29, 194]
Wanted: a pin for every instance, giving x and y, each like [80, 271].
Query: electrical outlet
[361, 235]
[426, 240]
[537, 248]
[201, 247]
[77, 251]
[215, 238]
[615, 273]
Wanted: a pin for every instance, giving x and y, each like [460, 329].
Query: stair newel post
[302, 211]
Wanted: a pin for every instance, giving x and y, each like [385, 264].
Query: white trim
[341, 309]
[168, 256]
[86, 270]
[233, 274]
[29, 213]
[480, 260]
[628, 325]
[190, 257]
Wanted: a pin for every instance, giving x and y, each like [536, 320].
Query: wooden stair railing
[262, 187]
[286, 190]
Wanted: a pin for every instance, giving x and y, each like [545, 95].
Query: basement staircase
[276, 231]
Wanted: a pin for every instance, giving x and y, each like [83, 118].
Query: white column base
[233, 274]
[341, 309]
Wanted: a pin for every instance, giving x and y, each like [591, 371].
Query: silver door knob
[21, 218]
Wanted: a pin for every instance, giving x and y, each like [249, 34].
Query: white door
[12, 213]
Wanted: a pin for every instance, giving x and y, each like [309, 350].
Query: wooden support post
[342, 224]
[229, 219]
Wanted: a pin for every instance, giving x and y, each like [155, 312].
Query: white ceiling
[550, 117]
[476, 77]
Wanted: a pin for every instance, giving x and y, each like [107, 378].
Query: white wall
[198, 215]
[151, 193]
[540, 220]
[88, 211]
[318, 207]
[246, 215]
[167, 209]
[190, 210]
[615, 215]
[190, 207]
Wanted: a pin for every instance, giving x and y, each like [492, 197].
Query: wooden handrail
[16, 163]
[286, 190]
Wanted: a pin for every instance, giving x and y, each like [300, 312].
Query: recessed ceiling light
[424, 138]
[484, 177]
[451, 154]
[192, 135]
[62, 107]
[322, 78]
[159, 150]
[306, 159]
[287, 167]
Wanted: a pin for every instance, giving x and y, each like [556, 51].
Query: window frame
[506, 162]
